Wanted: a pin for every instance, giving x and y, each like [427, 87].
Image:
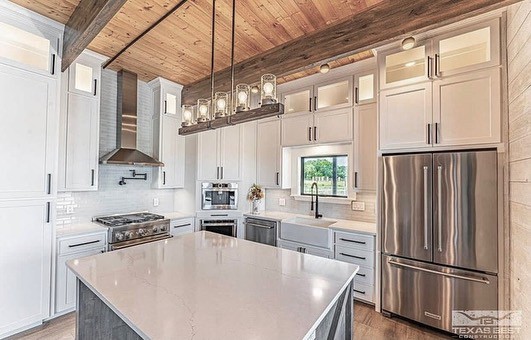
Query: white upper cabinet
[467, 108]
[365, 147]
[406, 116]
[333, 95]
[28, 134]
[365, 88]
[398, 67]
[333, 126]
[469, 49]
[168, 145]
[298, 130]
[268, 153]
[219, 154]
[80, 124]
[298, 101]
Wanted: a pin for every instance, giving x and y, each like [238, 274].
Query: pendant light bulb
[325, 68]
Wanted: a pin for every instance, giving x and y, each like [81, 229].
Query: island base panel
[337, 324]
[97, 321]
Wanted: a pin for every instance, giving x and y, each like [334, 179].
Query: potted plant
[255, 195]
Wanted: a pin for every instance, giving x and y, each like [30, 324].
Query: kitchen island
[209, 286]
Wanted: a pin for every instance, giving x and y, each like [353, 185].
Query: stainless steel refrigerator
[440, 235]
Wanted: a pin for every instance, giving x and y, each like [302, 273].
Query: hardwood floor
[368, 324]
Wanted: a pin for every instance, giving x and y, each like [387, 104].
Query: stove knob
[120, 236]
[155, 229]
[163, 228]
[141, 232]
[128, 235]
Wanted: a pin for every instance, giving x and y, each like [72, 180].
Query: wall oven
[219, 196]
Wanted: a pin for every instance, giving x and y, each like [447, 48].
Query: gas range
[128, 230]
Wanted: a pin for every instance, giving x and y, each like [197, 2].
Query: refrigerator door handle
[426, 207]
[455, 276]
[439, 208]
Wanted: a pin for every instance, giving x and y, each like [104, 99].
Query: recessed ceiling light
[255, 89]
[408, 43]
[324, 68]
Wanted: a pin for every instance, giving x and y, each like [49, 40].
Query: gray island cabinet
[209, 286]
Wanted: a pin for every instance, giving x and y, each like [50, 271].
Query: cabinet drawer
[356, 256]
[351, 240]
[365, 276]
[81, 243]
[181, 227]
[363, 292]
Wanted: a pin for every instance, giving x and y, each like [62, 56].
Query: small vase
[254, 207]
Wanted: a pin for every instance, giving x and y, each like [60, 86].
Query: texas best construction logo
[486, 324]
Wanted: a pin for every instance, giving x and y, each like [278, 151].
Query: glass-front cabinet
[84, 75]
[404, 67]
[298, 101]
[332, 95]
[365, 88]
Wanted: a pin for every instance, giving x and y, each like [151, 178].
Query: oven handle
[218, 224]
[131, 243]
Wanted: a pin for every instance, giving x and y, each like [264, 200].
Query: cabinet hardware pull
[217, 172]
[165, 106]
[49, 190]
[315, 103]
[182, 225]
[354, 256]
[425, 207]
[83, 244]
[310, 107]
[437, 133]
[429, 63]
[95, 86]
[219, 215]
[92, 177]
[48, 211]
[164, 178]
[353, 241]
[356, 95]
[315, 133]
[362, 275]
[437, 65]
[429, 133]
[310, 134]
[359, 291]
[53, 64]
[278, 178]
[355, 179]
[439, 208]
[222, 170]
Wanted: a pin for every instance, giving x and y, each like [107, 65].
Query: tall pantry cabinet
[29, 80]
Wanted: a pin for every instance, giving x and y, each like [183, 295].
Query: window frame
[334, 177]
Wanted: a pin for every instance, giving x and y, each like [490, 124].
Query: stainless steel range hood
[126, 152]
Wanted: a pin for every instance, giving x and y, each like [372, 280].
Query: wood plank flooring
[368, 324]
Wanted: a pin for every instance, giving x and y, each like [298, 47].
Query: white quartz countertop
[208, 286]
[79, 228]
[176, 215]
[343, 225]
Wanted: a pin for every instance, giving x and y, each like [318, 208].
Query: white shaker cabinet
[333, 126]
[365, 147]
[168, 145]
[80, 124]
[219, 154]
[406, 116]
[306, 249]
[365, 88]
[25, 263]
[297, 130]
[268, 153]
[28, 134]
[182, 226]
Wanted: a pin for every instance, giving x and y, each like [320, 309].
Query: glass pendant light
[242, 97]
[188, 115]
[269, 89]
[222, 104]
[203, 110]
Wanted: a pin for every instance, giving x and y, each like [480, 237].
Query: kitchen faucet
[317, 215]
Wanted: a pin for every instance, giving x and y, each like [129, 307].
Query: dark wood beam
[88, 19]
[374, 27]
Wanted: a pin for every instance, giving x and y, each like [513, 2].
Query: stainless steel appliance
[219, 196]
[133, 229]
[440, 235]
[221, 225]
[261, 231]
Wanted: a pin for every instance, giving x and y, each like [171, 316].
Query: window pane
[83, 78]
[24, 47]
[329, 172]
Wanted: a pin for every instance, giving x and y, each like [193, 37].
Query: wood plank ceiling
[179, 48]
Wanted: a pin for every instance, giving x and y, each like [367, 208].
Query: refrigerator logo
[478, 324]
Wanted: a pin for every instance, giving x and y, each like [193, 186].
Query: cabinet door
[297, 130]
[405, 113]
[27, 133]
[333, 95]
[181, 227]
[65, 282]
[475, 47]
[365, 88]
[208, 156]
[230, 147]
[365, 147]
[400, 67]
[318, 252]
[268, 152]
[333, 126]
[82, 126]
[25, 264]
[171, 104]
[299, 101]
[84, 76]
[172, 150]
[467, 108]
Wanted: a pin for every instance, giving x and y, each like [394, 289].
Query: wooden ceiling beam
[371, 28]
[87, 20]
